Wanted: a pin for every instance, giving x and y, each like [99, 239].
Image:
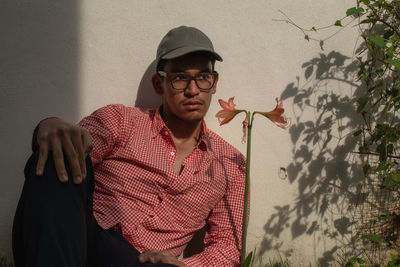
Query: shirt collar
[159, 126]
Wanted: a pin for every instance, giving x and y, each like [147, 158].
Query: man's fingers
[58, 159]
[43, 154]
[72, 158]
[86, 141]
[63, 139]
[156, 256]
[78, 145]
[143, 258]
[87, 146]
[148, 256]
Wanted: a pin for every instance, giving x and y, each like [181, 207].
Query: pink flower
[228, 111]
[276, 115]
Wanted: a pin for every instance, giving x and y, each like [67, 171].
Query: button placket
[162, 195]
[151, 213]
[170, 144]
[172, 155]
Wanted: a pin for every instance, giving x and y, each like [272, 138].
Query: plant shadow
[323, 166]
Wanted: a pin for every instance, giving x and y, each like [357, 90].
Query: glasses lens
[204, 81]
[180, 81]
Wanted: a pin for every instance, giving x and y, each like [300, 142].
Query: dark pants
[54, 225]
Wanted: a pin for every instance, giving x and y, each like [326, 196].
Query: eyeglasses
[180, 80]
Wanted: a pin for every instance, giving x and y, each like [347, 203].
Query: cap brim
[186, 50]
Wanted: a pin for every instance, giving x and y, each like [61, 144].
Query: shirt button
[172, 153]
[166, 132]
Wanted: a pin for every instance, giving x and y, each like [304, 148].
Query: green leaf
[394, 62]
[369, 20]
[391, 49]
[376, 86]
[366, 168]
[248, 260]
[381, 149]
[384, 217]
[351, 262]
[362, 101]
[313, 28]
[394, 92]
[380, 72]
[395, 177]
[366, 2]
[360, 261]
[254, 257]
[351, 11]
[378, 40]
[373, 237]
[382, 166]
[393, 257]
[387, 34]
[389, 183]
[354, 11]
[338, 23]
[390, 148]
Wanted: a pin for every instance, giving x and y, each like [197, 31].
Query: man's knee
[49, 173]
[47, 190]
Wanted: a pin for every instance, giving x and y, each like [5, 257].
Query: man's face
[189, 105]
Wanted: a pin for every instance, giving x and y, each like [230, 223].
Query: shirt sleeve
[223, 238]
[105, 126]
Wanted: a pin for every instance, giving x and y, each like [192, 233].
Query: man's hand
[62, 137]
[159, 256]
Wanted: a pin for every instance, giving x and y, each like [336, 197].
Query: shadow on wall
[323, 165]
[39, 78]
[40, 68]
[146, 96]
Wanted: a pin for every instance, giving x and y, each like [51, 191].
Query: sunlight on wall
[103, 53]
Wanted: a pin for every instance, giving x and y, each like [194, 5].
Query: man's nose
[192, 88]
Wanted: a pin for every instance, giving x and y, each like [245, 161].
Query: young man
[153, 179]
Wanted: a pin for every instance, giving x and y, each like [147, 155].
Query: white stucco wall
[67, 58]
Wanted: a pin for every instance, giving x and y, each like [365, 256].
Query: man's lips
[192, 104]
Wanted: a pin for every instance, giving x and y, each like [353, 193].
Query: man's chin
[193, 116]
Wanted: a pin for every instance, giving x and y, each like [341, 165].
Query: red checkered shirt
[138, 191]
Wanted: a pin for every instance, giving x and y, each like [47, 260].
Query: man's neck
[182, 130]
[185, 136]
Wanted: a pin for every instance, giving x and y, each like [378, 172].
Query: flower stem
[246, 191]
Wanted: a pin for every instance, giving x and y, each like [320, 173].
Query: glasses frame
[168, 76]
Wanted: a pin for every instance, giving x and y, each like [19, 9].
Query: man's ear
[156, 80]
[214, 88]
